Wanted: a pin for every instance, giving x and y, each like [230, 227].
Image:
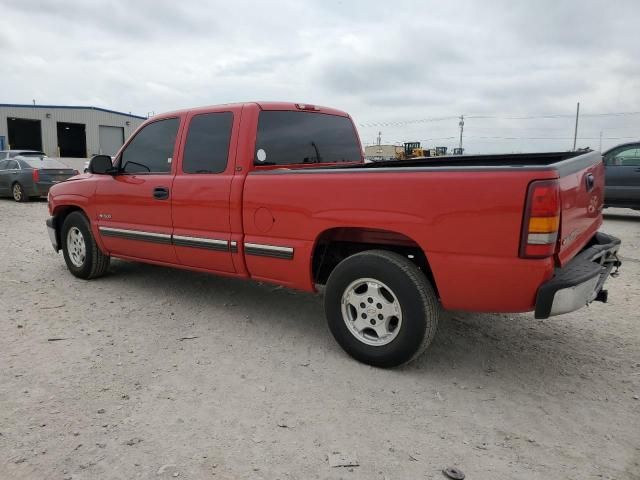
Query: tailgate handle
[590, 181]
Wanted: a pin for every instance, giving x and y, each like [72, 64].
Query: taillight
[36, 175]
[541, 220]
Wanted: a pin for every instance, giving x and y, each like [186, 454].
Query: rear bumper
[580, 281]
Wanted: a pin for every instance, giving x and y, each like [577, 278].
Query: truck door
[201, 191]
[133, 208]
[622, 167]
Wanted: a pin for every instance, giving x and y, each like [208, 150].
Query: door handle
[161, 193]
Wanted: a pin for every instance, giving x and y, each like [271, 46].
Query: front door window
[151, 150]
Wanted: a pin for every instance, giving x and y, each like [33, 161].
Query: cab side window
[3, 164]
[151, 150]
[286, 138]
[207, 146]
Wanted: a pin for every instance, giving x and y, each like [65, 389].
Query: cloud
[384, 62]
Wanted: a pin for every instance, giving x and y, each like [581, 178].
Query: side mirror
[101, 165]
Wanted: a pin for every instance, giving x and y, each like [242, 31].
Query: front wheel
[381, 308]
[83, 257]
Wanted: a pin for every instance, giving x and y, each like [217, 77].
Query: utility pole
[461, 125]
[575, 132]
[600, 148]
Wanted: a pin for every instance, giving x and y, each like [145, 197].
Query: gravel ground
[158, 373]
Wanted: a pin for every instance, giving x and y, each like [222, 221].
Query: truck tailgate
[582, 197]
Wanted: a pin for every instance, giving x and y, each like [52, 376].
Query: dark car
[622, 176]
[27, 173]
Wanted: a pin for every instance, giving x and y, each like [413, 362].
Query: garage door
[111, 139]
[24, 134]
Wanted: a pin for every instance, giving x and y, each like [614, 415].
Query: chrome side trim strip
[274, 251]
[135, 235]
[199, 242]
[257, 249]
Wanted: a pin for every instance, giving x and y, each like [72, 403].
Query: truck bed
[553, 160]
[464, 212]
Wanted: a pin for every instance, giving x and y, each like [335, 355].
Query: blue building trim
[71, 107]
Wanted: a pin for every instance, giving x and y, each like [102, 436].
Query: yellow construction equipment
[411, 150]
[415, 150]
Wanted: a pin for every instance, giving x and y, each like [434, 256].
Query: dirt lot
[157, 373]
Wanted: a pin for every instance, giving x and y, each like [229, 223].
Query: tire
[18, 193]
[83, 257]
[381, 275]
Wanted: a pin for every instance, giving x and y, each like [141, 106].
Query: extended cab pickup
[279, 192]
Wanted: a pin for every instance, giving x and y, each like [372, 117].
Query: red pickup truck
[279, 192]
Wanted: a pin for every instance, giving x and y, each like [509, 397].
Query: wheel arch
[59, 215]
[335, 244]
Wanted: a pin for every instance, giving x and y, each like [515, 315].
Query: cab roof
[286, 106]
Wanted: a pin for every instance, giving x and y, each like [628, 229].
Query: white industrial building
[65, 131]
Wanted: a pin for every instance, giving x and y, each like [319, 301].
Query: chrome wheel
[371, 311]
[76, 247]
[17, 192]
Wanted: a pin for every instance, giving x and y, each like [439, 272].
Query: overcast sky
[394, 65]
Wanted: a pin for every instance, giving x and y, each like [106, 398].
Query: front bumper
[53, 234]
[580, 281]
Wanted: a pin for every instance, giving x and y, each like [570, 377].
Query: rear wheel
[19, 195]
[83, 257]
[381, 308]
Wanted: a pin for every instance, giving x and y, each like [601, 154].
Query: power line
[407, 122]
[475, 137]
[556, 115]
[496, 117]
[547, 138]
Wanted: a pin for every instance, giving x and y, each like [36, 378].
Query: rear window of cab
[287, 138]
